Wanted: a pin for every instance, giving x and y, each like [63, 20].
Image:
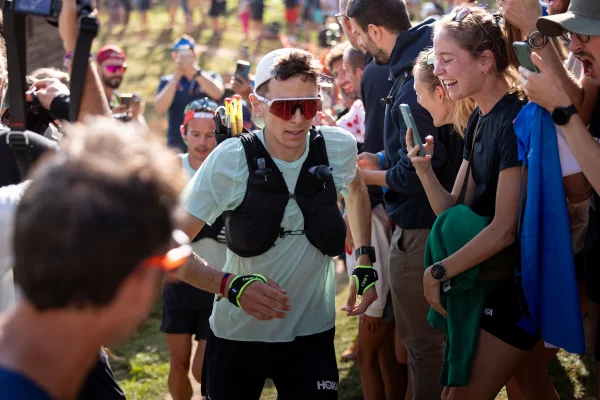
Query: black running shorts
[303, 369]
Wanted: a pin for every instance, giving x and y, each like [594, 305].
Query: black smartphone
[523, 53]
[242, 69]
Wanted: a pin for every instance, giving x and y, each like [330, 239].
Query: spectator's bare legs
[531, 381]
[380, 373]
[198, 362]
[180, 348]
[492, 366]
[402, 358]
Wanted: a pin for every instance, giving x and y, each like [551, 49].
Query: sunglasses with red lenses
[286, 108]
[113, 69]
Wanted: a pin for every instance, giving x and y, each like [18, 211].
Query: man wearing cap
[187, 83]
[186, 309]
[278, 189]
[112, 65]
[573, 107]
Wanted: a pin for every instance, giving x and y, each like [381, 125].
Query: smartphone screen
[126, 99]
[37, 7]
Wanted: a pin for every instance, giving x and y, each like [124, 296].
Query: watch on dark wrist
[562, 115]
[537, 40]
[438, 271]
[368, 250]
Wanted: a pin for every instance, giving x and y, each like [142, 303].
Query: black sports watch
[368, 250]
[562, 115]
[438, 271]
[537, 40]
[198, 73]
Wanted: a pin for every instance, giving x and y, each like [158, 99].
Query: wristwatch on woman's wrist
[438, 271]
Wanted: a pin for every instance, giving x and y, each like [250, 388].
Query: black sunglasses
[582, 38]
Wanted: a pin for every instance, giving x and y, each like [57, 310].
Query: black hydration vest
[253, 227]
[214, 231]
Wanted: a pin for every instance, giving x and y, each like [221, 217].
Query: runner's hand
[369, 297]
[264, 301]
[421, 164]
[372, 323]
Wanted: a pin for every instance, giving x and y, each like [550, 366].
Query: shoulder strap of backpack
[398, 84]
[257, 156]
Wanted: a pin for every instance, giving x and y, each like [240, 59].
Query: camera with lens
[37, 118]
[50, 9]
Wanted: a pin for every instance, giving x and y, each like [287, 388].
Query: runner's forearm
[200, 274]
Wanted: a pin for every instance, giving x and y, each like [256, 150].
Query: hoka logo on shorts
[489, 311]
[327, 385]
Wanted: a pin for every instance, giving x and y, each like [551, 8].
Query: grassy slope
[143, 371]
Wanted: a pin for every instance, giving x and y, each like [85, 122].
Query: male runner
[186, 309]
[279, 199]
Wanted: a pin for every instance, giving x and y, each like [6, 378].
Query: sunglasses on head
[175, 257]
[464, 12]
[113, 69]
[286, 108]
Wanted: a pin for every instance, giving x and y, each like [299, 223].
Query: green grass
[143, 371]
[149, 56]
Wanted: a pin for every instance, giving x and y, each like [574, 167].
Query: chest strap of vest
[283, 233]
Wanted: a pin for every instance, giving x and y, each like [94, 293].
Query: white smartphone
[410, 123]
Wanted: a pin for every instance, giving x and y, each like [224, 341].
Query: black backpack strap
[88, 29]
[259, 161]
[19, 144]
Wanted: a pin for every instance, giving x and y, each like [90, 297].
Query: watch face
[537, 40]
[560, 116]
[438, 271]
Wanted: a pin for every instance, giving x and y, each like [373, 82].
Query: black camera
[47, 8]
[37, 119]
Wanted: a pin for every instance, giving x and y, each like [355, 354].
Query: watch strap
[368, 250]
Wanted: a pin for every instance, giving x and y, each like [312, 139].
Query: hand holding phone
[410, 123]
[126, 100]
[242, 69]
[523, 53]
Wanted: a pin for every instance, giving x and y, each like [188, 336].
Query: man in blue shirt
[187, 83]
